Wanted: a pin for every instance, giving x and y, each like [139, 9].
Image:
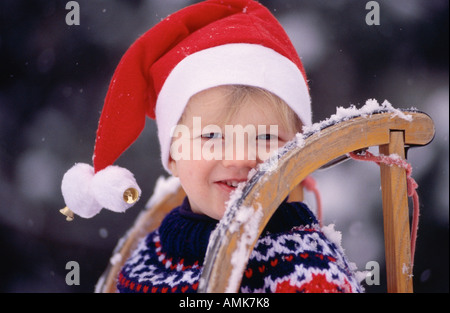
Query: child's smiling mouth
[229, 184]
[233, 183]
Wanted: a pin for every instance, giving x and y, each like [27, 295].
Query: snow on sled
[348, 133]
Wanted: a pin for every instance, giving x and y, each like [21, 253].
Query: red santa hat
[212, 43]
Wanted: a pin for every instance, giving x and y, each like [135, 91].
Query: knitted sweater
[292, 255]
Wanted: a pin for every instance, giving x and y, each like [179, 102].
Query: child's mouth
[229, 185]
[233, 183]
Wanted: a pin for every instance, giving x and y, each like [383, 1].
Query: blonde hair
[236, 95]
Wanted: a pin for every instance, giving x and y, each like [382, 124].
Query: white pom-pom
[115, 188]
[77, 191]
[86, 192]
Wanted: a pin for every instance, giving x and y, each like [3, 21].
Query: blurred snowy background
[53, 79]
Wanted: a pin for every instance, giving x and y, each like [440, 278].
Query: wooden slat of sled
[396, 218]
[386, 130]
[145, 223]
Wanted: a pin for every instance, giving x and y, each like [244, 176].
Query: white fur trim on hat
[237, 64]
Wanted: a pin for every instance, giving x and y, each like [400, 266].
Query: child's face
[226, 158]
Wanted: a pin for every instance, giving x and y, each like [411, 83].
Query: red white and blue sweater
[292, 255]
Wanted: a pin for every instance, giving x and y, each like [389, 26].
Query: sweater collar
[185, 234]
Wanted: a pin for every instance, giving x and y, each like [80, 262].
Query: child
[220, 63]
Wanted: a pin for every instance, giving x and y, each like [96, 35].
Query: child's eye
[211, 135]
[266, 137]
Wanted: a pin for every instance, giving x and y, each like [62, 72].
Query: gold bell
[68, 213]
[131, 195]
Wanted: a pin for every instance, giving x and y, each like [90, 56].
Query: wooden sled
[279, 177]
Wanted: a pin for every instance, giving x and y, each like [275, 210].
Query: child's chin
[217, 214]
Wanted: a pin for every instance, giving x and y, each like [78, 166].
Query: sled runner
[393, 131]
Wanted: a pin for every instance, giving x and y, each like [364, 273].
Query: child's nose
[240, 156]
[238, 163]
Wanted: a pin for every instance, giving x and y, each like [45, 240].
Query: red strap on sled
[395, 160]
